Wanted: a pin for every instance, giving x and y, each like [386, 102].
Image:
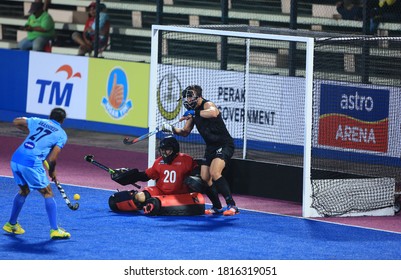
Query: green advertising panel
[118, 92]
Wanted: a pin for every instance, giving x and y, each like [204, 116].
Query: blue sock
[51, 209]
[19, 201]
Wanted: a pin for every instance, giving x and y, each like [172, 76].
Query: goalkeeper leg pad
[190, 204]
[196, 184]
[124, 201]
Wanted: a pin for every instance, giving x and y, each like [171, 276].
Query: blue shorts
[33, 177]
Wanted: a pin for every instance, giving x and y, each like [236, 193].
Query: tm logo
[58, 94]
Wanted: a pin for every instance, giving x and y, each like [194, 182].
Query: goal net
[282, 95]
[356, 101]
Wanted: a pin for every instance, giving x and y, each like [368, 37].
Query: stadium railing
[131, 23]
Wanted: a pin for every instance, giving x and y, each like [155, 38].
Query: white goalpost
[275, 90]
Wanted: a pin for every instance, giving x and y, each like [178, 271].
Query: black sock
[223, 188]
[213, 195]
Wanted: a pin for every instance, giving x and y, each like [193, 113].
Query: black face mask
[167, 158]
[189, 93]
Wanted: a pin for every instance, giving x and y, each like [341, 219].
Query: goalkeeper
[170, 171]
[207, 118]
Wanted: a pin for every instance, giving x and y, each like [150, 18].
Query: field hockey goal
[324, 102]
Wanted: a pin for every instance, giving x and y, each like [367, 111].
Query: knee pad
[152, 206]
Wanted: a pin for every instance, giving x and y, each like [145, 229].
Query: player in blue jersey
[45, 140]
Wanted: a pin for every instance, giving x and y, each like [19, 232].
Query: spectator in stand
[350, 9]
[385, 11]
[46, 4]
[86, 40]
[40, 27]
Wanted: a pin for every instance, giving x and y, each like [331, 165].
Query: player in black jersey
[207, 118]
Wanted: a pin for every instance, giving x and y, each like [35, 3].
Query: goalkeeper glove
[121, 170]
[118, 172]
[125, 176]
[190, 113]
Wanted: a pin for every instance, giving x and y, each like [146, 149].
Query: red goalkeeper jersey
[170, 177]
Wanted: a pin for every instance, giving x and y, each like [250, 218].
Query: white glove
[167, 128]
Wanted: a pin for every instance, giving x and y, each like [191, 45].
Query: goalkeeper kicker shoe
[59, 234]
[213, 211]
[231, 210]
[15, 229]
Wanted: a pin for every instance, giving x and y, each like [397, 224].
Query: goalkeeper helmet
[190, 96]
[169, 149]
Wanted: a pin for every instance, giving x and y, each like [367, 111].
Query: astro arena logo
[354, 117]
[116, 103]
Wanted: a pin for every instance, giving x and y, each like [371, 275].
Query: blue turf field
[98, 234]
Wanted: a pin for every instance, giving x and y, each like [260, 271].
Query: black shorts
[224, 152]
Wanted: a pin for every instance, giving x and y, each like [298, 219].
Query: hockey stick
[60, 188]
[69, 204]
[89, 158]
[127, 141]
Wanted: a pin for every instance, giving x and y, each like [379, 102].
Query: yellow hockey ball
[77, 197]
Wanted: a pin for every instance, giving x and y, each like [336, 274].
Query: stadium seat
[48, 47]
